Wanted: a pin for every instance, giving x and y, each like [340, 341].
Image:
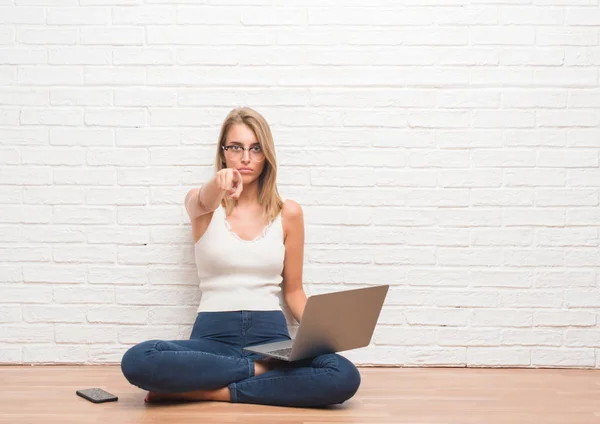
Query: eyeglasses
[235, 152]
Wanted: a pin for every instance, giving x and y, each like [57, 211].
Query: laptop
[331, 322]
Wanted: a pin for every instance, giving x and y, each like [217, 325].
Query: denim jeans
[213, 358]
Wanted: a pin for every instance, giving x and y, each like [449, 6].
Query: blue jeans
[213, 358]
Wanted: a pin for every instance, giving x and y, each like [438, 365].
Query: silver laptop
[331, 322]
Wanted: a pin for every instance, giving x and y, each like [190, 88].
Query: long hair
[268, 195]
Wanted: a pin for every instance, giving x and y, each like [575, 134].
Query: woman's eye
[256, 149]
[235, 148]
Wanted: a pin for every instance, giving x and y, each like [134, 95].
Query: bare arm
[293, 290]
[203, 200]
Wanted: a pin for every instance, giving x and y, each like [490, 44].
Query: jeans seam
[233, 392]
[251, 370]
[160, 352]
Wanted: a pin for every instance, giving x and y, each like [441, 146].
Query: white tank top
[237, 274]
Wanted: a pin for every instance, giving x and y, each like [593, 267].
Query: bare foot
[153, 397]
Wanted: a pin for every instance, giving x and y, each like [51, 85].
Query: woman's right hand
[229, 180]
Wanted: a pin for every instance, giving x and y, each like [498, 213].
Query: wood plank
[46, 394]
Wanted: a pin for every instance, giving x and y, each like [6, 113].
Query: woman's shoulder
[291, 210]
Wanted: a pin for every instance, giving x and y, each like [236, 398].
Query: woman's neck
[249, 196]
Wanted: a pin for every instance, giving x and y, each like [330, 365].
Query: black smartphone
[96, 395]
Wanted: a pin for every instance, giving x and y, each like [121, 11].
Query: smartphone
[96, 395]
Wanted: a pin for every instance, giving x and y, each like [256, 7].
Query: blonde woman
[249, 251]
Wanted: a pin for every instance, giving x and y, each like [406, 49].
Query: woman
[249, 248]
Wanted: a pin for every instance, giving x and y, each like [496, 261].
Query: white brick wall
[449, 148]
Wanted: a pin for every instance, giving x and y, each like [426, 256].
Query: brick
[563, 37]
[10, 194]
[81, 136]
[52, 195]
[533, 217]
[437, 277]
[53, 273]
[29, 333]
[117, 314]
[475, 178]
[469, 218]
[392, 335]
[130, 334]
[500, 278]
[534, 137]
[534, 257]
[172, 315]
[502, 36]
[454, 256]
[562, 357]
[562, 318]
[157, 215]
[83, 215]
[10, 314]
[117, 157]
[435, 237]
[501, 318]
[51, 354]
[582, 257]
[20, 254]
[85, 334]
[87, 295]
[461, 298]
[78, 16]
[327, 234]
[28, 175]
[566, 197]
[330, 215]
[118, 118]
[437, 317]
[47, 36]
[10, 353]
[501, 197]
[534, 178]
[498, 356]
[532, 337]
[531, 299]
[583, 178]
[113, 36]
[119, 275]
[79, 56]
[85, 176]
[565, 278]
[583, 216]
[501, 237]
[492, 158]
[468, 337]
[83, 253]
[403, 217]
[53, 313]
[147, 177]
[145, 15]
[254, 16]
[152, 254]
[156, 296]
[121, 196]
[568, 237]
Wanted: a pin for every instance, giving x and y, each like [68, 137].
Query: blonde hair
[268, 195]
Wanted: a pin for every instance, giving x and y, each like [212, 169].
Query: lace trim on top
[262, 235]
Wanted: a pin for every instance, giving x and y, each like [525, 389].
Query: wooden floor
[46, 394]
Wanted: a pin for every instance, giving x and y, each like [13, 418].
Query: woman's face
[244, 161]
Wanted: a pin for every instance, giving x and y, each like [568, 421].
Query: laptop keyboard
[281, 352]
